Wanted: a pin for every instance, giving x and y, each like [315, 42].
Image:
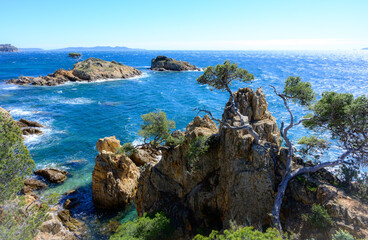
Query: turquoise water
[76, 115]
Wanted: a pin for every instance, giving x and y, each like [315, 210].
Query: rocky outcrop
[90, 69]
[163, 63]
[53, 229]
[52, 175]
[29, 127]
[234, 179]
[108, 144]
[8, 48]
[114, 178]
[145, 155]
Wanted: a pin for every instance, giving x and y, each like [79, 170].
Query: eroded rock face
[53, 229]
[108, 144]
[235, 179]
[52, 175]
[114, 178]
[88, 70]
[163, 63]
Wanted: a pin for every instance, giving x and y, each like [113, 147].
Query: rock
[144, 156]
[69, 222]
[34, 184]
[53, 229]
[163, 63]
[108, 144]
[114, 180]
[8, 48]
[52, 175]
[88, 70]
[94, 68]
[28, 123]
[31, 131]
[71, 203]
[234, 180]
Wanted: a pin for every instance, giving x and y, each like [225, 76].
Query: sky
[186, 25]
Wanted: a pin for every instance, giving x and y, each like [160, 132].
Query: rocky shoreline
[89, 70]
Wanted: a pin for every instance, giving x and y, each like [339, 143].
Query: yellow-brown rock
[114, 180]
[234, 181]
[108, 144]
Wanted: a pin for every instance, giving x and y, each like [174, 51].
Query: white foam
[77, 101]
[138, 141]
[18, 112]
[12, 88]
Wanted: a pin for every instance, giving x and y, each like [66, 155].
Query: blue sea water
[76, 115]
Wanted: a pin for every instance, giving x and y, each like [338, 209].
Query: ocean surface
[76, 115]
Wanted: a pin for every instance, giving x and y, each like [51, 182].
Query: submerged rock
[114, 178]
[163, 63]
[88, 70]
[52, 175]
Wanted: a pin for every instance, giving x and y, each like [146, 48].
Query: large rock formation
[163, 63]
[234, 179]
[114, 178]
[88, 70]
[8, 48]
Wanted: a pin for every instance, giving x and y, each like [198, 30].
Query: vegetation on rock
[20, 216]
[156, 128]
[74, 55]
[127, 149]
[148, 227]
[319, 217]
[343, 116]
[243, 233]
[197, 147]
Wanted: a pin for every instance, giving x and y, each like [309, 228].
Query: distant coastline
[364, 48]
[85, 49]
[8, 48]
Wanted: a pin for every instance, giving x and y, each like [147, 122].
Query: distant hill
[8, 48]
[85, 49]
[95, 49]
[31, 49]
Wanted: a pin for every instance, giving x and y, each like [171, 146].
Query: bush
[319, 217]
[243, 233]
[197, 147]
[348, 174]
[21, 221]
[127, 149]
[15, 160]
[342, 235]
[362, 187]
[156, 127]
[148, 227]
[175, 140]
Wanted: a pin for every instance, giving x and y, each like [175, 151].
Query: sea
[76, 115]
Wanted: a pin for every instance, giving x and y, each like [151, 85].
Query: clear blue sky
[188, 24]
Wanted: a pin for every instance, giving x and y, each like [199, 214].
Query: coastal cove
[76, 115]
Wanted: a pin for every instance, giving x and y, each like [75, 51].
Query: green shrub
[362, 187]
[342, 235]
[197, 147]
[319, 217]
[175, 140]
[127, 149]
[156, 127]
[348, 173]
[148, 227]
[243, 233]
[15, 160]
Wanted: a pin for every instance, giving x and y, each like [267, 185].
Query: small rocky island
[8, 48]
[88, 70]
[163, 63]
